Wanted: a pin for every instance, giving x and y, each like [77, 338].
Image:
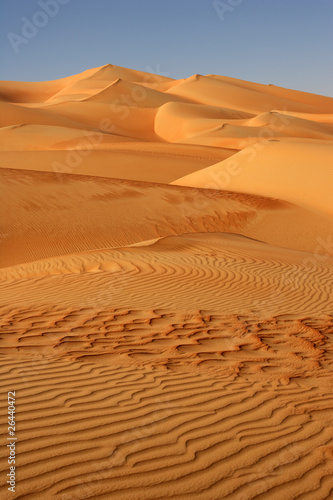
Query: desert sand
[166, 278]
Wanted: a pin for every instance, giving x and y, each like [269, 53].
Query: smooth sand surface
[296, 172]
[166, 279]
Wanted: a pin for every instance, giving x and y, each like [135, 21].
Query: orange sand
[166, 284]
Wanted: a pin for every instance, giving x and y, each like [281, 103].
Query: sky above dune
[283, 42]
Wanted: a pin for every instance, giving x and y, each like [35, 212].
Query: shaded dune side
[132, 94]
[39, 91]
[129, 212]
[217, 126]
[116, 157]
[23, 137]
[95, 77]
[136, 95]
[120, 119]
[13, 114]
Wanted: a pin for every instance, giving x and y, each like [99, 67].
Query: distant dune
[300, 173]
[166, 288]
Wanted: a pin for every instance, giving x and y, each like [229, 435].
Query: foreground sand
[166, 306]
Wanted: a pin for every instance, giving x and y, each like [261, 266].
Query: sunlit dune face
[166, 287]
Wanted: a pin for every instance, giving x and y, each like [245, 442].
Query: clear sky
[283, 42]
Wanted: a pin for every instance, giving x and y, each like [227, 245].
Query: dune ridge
[120, 103]
[166, 288]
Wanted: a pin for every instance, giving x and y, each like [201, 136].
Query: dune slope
[166, 279]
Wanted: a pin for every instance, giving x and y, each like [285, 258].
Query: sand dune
[192, 120]
[166, 278]
[41, 91]
[177, 391]
[136, 94]
[226, 268]
[15, 115]
[230, 129]
[185, 110]
[21, 137]
[129, 212]
[159, 430]
[285, 170]
[152, 162]
[280, 92]
[251, 98]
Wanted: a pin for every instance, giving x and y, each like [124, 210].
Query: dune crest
[166, 277]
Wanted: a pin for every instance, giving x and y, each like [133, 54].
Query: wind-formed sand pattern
[166, 308]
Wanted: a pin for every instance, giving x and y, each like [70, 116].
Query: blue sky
[283, 42]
